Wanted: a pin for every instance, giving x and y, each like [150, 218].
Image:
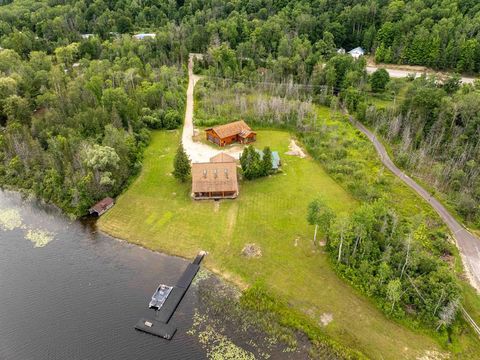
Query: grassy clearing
[157, 212]
[349, 158]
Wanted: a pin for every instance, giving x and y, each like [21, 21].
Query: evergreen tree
[266, 163]
[251, 163]
[181, 165]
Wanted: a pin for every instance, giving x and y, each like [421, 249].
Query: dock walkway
[160, 326]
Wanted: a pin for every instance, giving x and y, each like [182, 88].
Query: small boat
[159, 297]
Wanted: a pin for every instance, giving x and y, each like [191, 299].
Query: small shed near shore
[101, 207]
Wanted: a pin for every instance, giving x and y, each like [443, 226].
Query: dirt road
[401, 73]
[467, 243]
[196, 150]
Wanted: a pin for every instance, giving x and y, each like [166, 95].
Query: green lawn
[157, 212]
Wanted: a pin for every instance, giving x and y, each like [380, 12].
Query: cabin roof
[222, 157]
[231, 129]
[214, 177]
[102, 205]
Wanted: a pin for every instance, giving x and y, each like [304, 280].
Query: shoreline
[221, 274]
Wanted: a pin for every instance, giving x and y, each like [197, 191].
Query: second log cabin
[235, 132]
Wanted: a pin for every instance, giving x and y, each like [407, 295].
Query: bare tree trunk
[315, 236]
[356, 244]
[406, 257]
[340, 247]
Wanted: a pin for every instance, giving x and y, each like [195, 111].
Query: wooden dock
[160, 326]
[156, 328]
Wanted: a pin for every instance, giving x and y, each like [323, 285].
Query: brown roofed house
[237, 131]
[216, 179]
[222, 157]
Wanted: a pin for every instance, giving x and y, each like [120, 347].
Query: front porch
[214, 195]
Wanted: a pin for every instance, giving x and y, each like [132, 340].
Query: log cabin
[235, 132]
[216, 179]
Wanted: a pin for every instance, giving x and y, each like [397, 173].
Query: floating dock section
[160, 326]
[156, 328]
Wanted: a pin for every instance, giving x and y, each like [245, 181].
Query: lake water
[69, 292]
[79, 296]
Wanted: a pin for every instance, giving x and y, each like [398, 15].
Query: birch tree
[320, 215]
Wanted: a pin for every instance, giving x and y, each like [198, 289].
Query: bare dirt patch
[295, 150]
[252, 251]
[326, 318]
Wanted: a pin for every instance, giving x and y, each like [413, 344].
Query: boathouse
[235, 132]
[216, 179]
[101, 207]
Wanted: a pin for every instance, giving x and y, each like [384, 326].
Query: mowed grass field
[158, 213]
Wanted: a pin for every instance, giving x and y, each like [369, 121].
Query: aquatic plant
[10, 219]
[39, 238]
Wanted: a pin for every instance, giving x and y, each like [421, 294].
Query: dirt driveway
[196, 150]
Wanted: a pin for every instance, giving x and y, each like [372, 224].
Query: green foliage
[258, 299]
[251, 163]
[434, 136]
[374, 250]
[379, 80]
[181, 165]
[266, 161]
[320, 214]
[255, 163]
[75, 133]
[289, 38]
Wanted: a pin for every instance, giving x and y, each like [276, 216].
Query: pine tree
[251, 163]
[181, 165]
[266, 163]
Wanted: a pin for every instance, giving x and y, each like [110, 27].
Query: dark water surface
[80, 295]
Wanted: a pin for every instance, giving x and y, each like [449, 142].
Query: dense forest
[290, 35]
[73, 129]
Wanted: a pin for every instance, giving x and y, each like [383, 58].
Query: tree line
[288, 37]
[381, 253]
[73, 126]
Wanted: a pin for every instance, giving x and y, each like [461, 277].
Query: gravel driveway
[196, 150]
